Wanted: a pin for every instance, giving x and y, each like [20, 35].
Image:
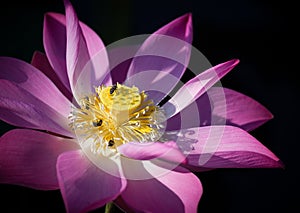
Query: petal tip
[187, 21]
[180, 27]
[183, 19]
[234, 61]
[186, 18]
[269, 115]
[50, 15]
[67, 3]
[280, 165]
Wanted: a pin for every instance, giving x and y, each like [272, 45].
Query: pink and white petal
[172, 192]
[98, 55]
[147, 151]
[28, 158]
[197, 86]
[40, 61]
[54, 38]
[220, 106]
[225, 147]
[86, 40]
[162, 59]
[83, 185]
[84, 71]
[21, 108]
[36, 83]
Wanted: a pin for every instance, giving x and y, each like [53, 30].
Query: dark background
[259, 33]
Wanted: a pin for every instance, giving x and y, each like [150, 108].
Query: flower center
[115, 115]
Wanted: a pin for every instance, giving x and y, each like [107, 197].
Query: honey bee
[112, 89]
[97, 123]
[111, 143]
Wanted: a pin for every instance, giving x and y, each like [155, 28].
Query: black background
[260, 33]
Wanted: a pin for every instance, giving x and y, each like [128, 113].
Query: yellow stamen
[115, 115]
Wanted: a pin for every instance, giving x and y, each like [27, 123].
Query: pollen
[115, 115]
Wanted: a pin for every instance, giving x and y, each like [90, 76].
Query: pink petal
[84, 186]
[198, 113]
[172, 192]
[54, 37]
[21, 108]
[181, 28]
[224, 147]
[240, 110]
[147, 151]
[83, 72]
[120, 58]
[40, 61]
[85, 41]
[162, 58]
[220, 106]
[194, 88]
[28, 158]
[35, 82]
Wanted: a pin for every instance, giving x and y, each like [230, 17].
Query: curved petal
[224, 147]
[28, 158]
[54, 38]
[40, 61]
[162, 59]
[84, 70]
[21, 108]
[220, 106]
[83, 185]
[85, 42]
[197, 86]
[34, 82]
[147, 151]
[173, 192]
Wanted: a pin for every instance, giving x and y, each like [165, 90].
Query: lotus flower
[102, 134]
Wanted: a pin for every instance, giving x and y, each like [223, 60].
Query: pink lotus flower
[115, 143]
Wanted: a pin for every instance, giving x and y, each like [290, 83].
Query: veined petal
[175, 191]
[194, 88]
[84, 70]
[220, 106]
[28, 158]
[240, 110]
[55, 42]
[21, 108]
[40, 61]
[224, 147]
[84, 186]
[147, 151]
[54, 37]
[162, 59]
[34, 82]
